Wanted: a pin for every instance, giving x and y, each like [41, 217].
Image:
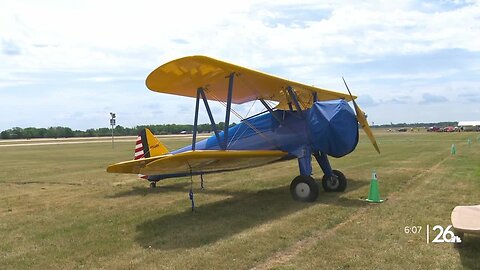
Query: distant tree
[90, 132]
[30, 132]
[16, 133]
[102, 132]
[5, 134]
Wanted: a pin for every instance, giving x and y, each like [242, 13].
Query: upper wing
[200, 161]
[184, 76]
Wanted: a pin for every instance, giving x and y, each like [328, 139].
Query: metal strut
[322, 160]
[195, 120]
[229, 107]
[210, 116]
[270, 110]
[295, 100]
[201, 94]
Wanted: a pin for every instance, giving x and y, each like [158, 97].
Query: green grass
[60, 209]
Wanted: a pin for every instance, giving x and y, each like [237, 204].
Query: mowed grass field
[59, 209]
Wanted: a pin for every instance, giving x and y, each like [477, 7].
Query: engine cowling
[333, 127]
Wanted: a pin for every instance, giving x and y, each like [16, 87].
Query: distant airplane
[307, 121]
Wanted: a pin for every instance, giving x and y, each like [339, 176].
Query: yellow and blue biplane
[306, 121]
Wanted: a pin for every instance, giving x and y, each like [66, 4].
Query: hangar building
[469, 125]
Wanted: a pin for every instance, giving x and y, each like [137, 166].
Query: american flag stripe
[138, 148]
[139, 153]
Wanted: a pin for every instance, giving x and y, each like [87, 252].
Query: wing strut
[210, 116]
[229, 107]
[195, 120]
[201, 94]
[295, 99]
[271, 111]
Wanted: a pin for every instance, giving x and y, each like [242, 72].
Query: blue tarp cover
[333, 127]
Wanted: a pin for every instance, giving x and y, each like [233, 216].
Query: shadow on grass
[470, 252]
[143, 191]
[221, 219]
[182, 186]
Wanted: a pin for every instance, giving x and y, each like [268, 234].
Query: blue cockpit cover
[333, 127]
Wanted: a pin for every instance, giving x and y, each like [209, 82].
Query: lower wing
[200, 161]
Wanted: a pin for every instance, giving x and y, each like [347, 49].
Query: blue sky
[70, 63]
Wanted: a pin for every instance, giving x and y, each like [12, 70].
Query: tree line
[398, 125]
[66, 132]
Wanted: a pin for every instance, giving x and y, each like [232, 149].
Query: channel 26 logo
[443, 235]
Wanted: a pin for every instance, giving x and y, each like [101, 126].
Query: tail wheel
[336, 183]
[304, 189]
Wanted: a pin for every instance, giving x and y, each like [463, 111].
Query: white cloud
[116, 43]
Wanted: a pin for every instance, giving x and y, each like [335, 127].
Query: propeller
[362, 120]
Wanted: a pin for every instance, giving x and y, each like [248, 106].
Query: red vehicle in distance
[433, 129]
[448, 129]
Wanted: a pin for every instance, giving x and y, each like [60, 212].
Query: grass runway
[59, 209]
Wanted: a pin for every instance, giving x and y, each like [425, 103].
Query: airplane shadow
[181, 186]
[214, 221]
[143, 191]
[469, 251]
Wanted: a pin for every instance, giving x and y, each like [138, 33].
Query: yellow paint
[198, 161]
[155, 147]
[364, 124]
[184, 76]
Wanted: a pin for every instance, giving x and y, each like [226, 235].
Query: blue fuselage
[327, 128]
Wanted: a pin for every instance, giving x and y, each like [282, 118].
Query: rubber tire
[342, 182]
[301, 183]
[153, 184]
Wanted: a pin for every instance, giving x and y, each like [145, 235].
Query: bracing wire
[242, 119]
[236, 131]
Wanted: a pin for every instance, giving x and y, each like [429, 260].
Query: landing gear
[304, 189]
[336, 183]
[153, 184]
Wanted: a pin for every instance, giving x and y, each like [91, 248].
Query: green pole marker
[374, 194]
[453, 150]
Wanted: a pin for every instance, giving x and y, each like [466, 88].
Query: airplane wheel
[304, 189]
[336, 183]
[153, 184]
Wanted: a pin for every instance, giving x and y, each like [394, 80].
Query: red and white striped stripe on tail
[139, 153]
[148, 145]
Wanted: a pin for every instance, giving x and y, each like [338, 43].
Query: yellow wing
[184, 76]
[200, 161]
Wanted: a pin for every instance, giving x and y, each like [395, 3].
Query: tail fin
[148, 145]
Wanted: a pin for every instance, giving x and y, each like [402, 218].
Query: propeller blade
[362, 120]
